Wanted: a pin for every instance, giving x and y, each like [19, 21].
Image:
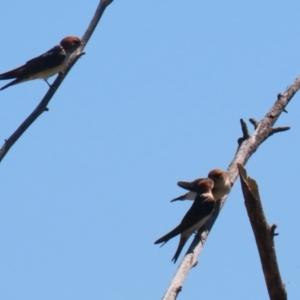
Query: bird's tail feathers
[168, 236]
[179, 249]
[16, 81]
[178, 198]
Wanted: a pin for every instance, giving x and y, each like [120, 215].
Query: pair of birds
[46, 65]
[205, 192]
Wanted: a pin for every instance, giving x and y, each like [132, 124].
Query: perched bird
[196, 216]
[222, 186]
[45, 65]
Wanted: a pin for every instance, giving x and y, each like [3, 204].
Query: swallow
[45, 65]
[222, 186]
[195, 218]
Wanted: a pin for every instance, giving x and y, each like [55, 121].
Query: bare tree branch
[253, 122]
[245, 131]
[46, 99]
[264, 236]
[280, 129]
[245, 149]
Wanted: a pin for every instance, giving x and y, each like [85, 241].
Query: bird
[45, 65]
[195, 218]
[222, 186]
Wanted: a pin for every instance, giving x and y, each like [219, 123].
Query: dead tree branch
[246, 147]
[42, 106]
[264, 236]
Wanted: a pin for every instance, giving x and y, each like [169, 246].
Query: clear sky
[156, 99]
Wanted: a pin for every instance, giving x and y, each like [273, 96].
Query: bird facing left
[46, 65]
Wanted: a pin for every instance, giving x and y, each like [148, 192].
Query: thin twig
[245, 132]
[254, 122]
[280, 129]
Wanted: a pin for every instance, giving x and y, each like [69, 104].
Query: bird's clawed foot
[48, 83]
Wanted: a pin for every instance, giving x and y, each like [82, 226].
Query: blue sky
[156, 99]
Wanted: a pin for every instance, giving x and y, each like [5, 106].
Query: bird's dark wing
[51, 59]
[202, 207]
